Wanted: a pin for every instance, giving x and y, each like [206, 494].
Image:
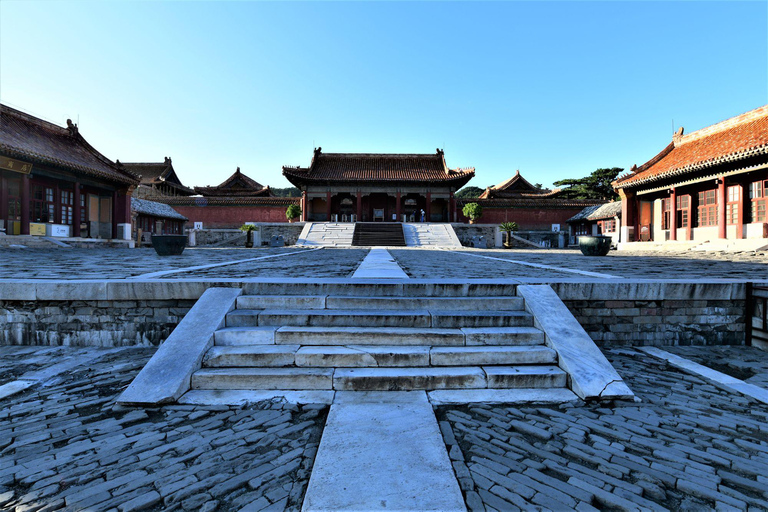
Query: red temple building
[704, 186]
[350, 187]
[53, 183]
[516, 200]
[158, 179]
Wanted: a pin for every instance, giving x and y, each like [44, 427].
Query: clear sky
[555, 89]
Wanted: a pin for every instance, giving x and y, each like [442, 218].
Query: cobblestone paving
[325, 263]
[113, 263]
[65, 445]
[749, 364]
[418, 263]
[686, 446]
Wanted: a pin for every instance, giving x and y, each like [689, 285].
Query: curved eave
[629, 182]
[457, 181]
[120, 176]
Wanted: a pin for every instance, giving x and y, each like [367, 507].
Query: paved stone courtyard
[531, 264]
[686, 445]
[65, 445]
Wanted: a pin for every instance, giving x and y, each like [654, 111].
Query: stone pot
[169, 245]
[249, 239]
[595, 245]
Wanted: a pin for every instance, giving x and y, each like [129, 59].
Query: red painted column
[359, 206]
[4, 203]
[673, 215]
[428, 209]
[452, 208]
[740, 214]
[721, 221]
[25, 185]
[76, 212]
[304, 204]
[397, 207]
[328, 204]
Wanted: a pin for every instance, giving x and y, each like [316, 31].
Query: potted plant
[472, 211]
[293, 212]
[248, 229]
[508, 228]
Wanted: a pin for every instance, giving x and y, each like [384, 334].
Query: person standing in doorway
[422, 215]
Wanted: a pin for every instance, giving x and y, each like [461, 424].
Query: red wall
[528, 219]
[221, 217]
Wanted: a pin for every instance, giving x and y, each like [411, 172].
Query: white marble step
[295, 335]
[381, 288]
[281, 302]
[413, 318]
[428, 303]
[359, 356]
[329, 318]
[263, 378]
[380, 379]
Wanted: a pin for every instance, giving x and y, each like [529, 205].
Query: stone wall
[623, 314]
[290, 232]
[90, 323]
[465, 233]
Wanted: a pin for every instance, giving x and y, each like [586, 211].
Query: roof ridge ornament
[678, 136]
[72, 127]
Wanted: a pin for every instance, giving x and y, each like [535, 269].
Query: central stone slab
[382, 451]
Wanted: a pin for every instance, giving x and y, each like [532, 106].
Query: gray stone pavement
[746, 363]
[419, 263]
[65, 445]
[75, 263]
[342, 262]
[686, 446]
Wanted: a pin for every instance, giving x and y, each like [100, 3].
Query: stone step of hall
[380, 379]
[298, 335]
[259, 302]
[370, 234]
[358, 356]
[418, 318]
[382, 287]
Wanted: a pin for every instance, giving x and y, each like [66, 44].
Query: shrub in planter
[472, 211]
[248, 229]
[293, 212]
[508, 228]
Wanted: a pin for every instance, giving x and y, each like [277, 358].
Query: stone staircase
[379, 337]
[430, 235]
[383, 234]
[326, 234]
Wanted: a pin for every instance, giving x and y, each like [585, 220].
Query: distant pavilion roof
[155, 209]
[734, 139]
[372, 168]
[516, 187]
[237, 185]
[32, 139]
[160, 173]
[598, 212]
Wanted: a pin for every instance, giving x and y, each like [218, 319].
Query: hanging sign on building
[9, 164]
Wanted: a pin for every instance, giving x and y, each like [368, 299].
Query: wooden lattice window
[707, 211]
[683, 211]
[757, 198]
[733, 196]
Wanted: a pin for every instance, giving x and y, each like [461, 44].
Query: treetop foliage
[596, 186]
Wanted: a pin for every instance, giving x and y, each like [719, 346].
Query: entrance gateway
[366, 187]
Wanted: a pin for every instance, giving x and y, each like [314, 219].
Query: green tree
[293, 212]
[596, 186]
[472, 211]
[469, 192]
[286, 192]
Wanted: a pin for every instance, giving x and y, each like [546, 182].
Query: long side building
[704, 186]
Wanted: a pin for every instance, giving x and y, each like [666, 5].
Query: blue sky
[555, 89]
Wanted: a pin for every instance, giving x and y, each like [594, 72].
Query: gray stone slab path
[686, 445]
[379, 264]
[719, 379]
[382, 451]
[66, 446]
[423, 263]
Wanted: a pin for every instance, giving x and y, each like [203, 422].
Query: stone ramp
[326, 234]
[382, 451]
[428, 234]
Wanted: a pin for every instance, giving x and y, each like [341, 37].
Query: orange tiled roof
[369, 167]
[734, 139]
